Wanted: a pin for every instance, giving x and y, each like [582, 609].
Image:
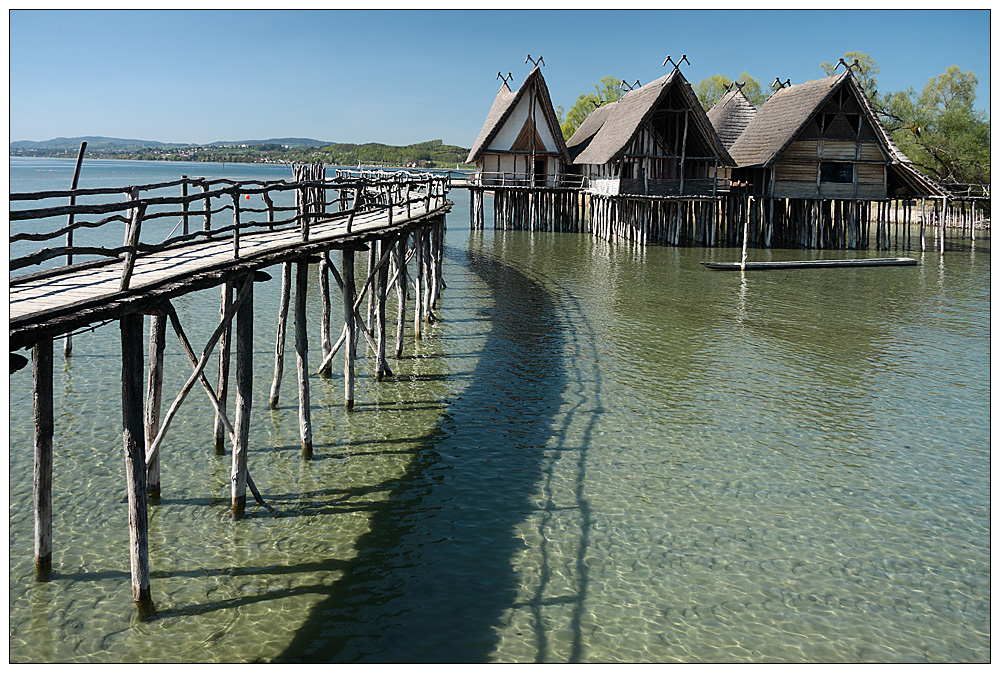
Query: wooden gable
[524, 139]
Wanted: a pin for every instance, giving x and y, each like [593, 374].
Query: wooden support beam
[244, 390]
[135, 459]
[348, 289]
[154, 390]
[41, 357]
[418, 247]
[279, 340]
[302, 356]
[324, 325]
[381, 287]
[225, 350]
[401, 283]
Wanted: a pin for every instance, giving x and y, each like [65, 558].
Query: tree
[711, 89]
[940, 131]
[605, 91]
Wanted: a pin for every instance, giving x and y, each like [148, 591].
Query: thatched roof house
[521, 142]
[654, 140]
[822, 139]
[731, 115]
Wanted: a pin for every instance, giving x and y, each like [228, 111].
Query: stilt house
[656, 140]
[521, 143]
[730, 117]
[822, 140]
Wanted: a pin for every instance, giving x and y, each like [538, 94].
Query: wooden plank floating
[812, 263]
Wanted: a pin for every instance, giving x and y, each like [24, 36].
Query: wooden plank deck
[48, 304]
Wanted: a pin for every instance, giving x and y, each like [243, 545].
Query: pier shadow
[433, 576]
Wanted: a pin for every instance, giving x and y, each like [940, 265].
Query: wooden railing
[510, 179]
[351, 194]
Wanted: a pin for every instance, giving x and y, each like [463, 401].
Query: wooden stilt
[324, 325]
[224, 357]
[135, 459]
[349, 323]
[418, 303]
[381, 287]
[302, 356]
[154, 390]
[279, 341]
[244, 396]
[41, 364]
[401, 284]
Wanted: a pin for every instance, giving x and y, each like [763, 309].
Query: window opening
[837, 172]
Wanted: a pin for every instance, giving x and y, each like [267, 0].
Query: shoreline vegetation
[430, 154]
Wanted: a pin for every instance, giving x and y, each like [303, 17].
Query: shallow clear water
[600, 453]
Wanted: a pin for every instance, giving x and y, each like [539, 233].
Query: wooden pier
[394, 217]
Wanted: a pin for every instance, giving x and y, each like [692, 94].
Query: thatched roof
[786, 113]
[618, 123]
[588, 129]
[780, 120]
[731, 115]
[504, 105]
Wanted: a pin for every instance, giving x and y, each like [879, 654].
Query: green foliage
[607, 90]
[940, 131]
[711, 89]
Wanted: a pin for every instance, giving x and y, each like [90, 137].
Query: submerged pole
[244, 392]
[302, 356]
[41, 365]
[135, 459]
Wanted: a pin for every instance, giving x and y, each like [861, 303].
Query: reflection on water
[599, 454]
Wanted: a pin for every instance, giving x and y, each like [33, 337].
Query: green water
[600, 453]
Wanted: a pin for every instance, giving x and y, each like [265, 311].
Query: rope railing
[317, 199]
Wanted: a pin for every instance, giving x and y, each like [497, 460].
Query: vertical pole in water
[923, 220]
[244, 390]
[351, 326]
[135, 459]
[184, 206]
[225, 350]
[944, 220]
[279, 341]
[380, 293]
[418, 303]
[401, 282]
[154, 389]
[324, 325]
[41, 364]
[746, 233]
[302, 356]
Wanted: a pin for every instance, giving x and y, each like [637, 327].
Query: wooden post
[154, 390]
[41, 365]
[373, 255]
[944, 220]
[279, 340]
[225, 351]
[401, 285]
[324, 325]
[236, 222]
[418, 302]
[132, 239]
[350, 326]
[135, 459]
[68, 343]
[302, 356]
[184, 206]
[208, 208]
[381, 287]
[244, 390]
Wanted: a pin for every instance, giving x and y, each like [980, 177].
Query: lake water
[598, 454]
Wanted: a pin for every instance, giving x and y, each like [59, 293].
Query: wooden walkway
[56, 302]
[395, 217]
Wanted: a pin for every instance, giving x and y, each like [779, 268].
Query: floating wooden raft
[814, 263]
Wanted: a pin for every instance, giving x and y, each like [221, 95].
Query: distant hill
[93, 142]
[429, 154]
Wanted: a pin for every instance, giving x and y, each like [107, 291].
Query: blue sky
[405, 77]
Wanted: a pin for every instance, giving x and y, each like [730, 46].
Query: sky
[401, 77]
